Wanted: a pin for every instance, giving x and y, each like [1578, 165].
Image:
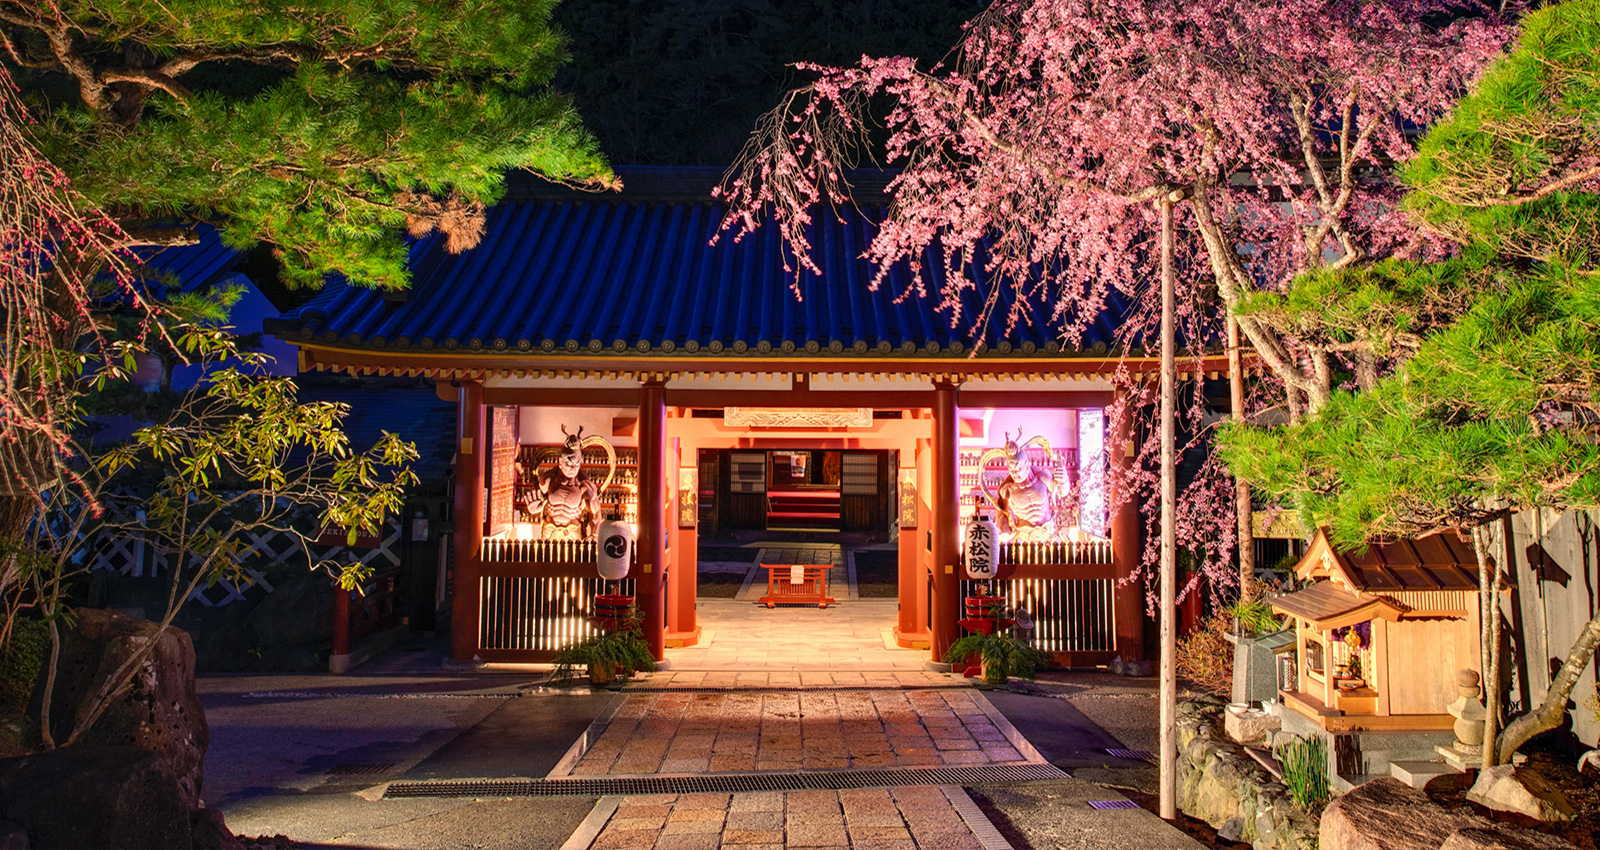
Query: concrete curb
[1029, 753]
[590, 828]
[596, 728]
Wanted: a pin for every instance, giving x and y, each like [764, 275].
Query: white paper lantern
[614, 554]
[981, 548]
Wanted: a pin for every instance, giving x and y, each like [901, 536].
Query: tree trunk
[1553, 708]
[1242, 503]
[1489, 637]
[1169, 534]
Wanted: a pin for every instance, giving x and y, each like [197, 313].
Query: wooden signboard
[503, 439]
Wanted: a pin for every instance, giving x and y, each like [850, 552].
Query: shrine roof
[635, 273]
[1328, 606]
[1440, 561]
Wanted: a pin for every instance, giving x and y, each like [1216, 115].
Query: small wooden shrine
[1381, 633]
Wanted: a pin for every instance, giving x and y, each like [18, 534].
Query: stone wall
[1222, 785]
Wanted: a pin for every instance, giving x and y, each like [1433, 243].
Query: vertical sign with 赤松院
[908, 497]
[501, 492]
[688, 496]
[982, 549]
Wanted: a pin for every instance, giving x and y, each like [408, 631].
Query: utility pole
[1241, 489]
[1169, 530]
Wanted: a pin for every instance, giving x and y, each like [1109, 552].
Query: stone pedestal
[1255, 672]
[1249, 725]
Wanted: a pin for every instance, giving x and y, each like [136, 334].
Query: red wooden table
[812, 589]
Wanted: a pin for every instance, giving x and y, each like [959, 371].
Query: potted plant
[1001, 653]
[606, 655]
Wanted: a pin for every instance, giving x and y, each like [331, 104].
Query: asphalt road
[309, 757]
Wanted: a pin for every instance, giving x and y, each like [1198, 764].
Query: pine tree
[1495, 405]
[322, 127]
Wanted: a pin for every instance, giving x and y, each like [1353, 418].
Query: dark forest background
[684, 83]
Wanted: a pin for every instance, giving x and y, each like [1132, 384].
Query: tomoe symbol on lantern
[617, 546]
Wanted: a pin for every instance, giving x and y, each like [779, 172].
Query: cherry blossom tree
[59, 257]
[1047, 147]
[1039, 150]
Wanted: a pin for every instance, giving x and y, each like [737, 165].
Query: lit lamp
[613, 555]
[982, 547]
[523, 531]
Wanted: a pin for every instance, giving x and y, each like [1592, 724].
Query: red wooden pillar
[1129, 606]
[652, 513]
[946, 522]
[468, 522]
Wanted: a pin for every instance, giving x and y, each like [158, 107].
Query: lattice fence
[132, 556]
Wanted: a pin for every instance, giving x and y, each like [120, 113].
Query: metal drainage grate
[1133, 755]
[1113, 804]
[759, 689]
[725, 783]
[361, 769]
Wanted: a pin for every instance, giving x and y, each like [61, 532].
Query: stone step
[1419, 773]
[1345, 784]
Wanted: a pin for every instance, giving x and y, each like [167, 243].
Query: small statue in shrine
[1027, 499]
[567, 503]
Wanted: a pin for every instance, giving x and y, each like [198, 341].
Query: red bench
[781, 589]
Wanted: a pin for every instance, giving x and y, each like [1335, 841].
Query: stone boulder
[1387, 814]
[159, 710]
[13, 836]
[1502, 837]
[211, 832]
[19, 735]
[1221, 784]
[1508, 788]
[94, 796]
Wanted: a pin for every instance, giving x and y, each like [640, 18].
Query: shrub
[1255, 618]
[1305, 771]
[620, 652]
[1205, 657]
[20, 662]
[1003, 654]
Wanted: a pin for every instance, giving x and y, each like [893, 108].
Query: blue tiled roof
[193, 266]
[558, 271]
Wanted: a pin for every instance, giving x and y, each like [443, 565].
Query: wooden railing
[500, 551]
[1074, 616]
[377, 606]
[1056, 552]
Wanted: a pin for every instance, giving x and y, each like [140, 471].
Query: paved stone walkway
[818, 680]
[866, 819]
[700, 732]
[747, 637]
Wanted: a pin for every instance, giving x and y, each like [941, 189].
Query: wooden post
[908, 626]
[683, 626]
[1242, 504]
[1169, 531]
[946, 521]
[339, 658]
[468, 521]
[1125, 549]
[652, 513]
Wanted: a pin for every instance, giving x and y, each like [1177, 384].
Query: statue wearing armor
[566, 501]
[1026, 498]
